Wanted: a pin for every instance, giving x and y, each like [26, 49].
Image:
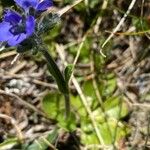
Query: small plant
[24, 32]
[94, 107]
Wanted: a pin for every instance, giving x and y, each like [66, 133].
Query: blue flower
[38, 5]
[16, 28]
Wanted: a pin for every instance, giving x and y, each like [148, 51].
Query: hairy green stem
[62, 84]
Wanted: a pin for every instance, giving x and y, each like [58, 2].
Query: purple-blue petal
[12, 17]
[26, 4]
[4, 31]
[30, 25]
[43, 5]
[15, 40]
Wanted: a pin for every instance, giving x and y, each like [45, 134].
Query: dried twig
[118, 26]
[48, 143]
[23, 102]
[14, 123]
[67, 8]
[99, 20]
[148, 131]
[7, 54]
[15, 59]
[30, 77]
[18, 67]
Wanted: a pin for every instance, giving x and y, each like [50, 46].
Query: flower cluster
[15, 28]
[38, 5]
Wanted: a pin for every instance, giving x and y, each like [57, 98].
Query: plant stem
[54, 70]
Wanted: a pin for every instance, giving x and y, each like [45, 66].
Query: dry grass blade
[85, 103]
[67, 8]
[119, 25]
[26, 104]
[7, 54]
[14, 123]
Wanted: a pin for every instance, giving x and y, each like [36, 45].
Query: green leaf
[110, 131]
[93, 3]
[53, 106]
[55, 72]
[68, 124]
[50, 104]
[53, 135]
[43, 143]
[8, 144]
[110, 85]
[88, 138]
[84, 53]
[62, 84]
[118, 131]
[88, 89]
[140, 24]
[68, 72]
[78, 106]
[116, 107]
